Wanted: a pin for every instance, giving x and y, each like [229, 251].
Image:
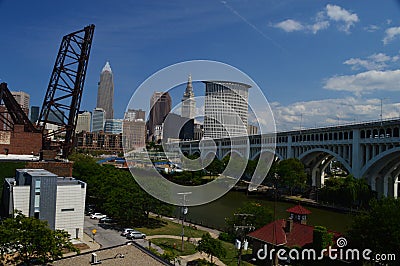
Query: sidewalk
[198, 255]
[213, 232]
[85, 244]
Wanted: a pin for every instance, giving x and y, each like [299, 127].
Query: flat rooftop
[18, 157]
[131, 255]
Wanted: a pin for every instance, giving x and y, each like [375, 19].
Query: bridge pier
[386, 185]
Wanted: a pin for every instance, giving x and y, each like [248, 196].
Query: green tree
[260, 215]
[321, 238]
[378, 228]
[250, 168]
[212, 247]
[116, 193]
[31, 239]
[346, 191]
[291, 173]
[170, 255]
[215, 167]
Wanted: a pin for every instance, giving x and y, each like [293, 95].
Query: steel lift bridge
[63, 96]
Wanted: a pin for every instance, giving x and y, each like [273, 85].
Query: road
[106, 237]
[109, 237]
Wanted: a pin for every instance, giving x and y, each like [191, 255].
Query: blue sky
[317, 62]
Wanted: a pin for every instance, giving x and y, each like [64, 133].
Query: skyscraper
[226, 109]
[83, 122]
[188, 101]
[160, 106]
[134, 130]
[34, 114]
[105, 93]
[98, 120]
[113, 126]
[133, 114]
[22, 99]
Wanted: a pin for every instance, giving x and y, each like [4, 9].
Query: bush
[226, 237]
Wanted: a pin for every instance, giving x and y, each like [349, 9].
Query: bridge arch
[230, 152]
[313, 153]
[380, 158]
[280, 157]
[382, 172]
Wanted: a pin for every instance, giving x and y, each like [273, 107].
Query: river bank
[213, 214]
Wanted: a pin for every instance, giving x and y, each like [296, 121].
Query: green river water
[213, 214]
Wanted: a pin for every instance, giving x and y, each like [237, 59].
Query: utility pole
[184, 211]
[301, 121]
[243, 230]
[381, 115]
[276, 177]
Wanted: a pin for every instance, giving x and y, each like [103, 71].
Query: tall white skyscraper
[226, 109]
[105, 93]
[188, 101]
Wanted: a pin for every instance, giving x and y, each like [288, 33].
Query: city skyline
[317, 63]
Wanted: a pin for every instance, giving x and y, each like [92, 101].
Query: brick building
[20, 142]
[99, 141]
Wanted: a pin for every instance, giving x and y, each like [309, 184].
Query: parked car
[97, 215]
[106, 220]
[135, 235]
[126, 231]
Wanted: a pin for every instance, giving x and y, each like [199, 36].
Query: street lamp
[184, 212]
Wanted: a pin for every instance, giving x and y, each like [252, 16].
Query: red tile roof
[300, 234]
[298, 209]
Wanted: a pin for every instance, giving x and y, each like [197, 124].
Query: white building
[41, 194]
[83, 122]
[226, 109]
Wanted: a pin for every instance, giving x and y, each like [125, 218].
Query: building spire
[188, 101]
[107, 67]
[189, 88]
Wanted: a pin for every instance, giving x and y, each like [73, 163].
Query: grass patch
[170, 228]
[169, 243]
[231, 257]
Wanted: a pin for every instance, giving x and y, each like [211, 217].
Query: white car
[135, 235]
[97, 215]
[126, 231]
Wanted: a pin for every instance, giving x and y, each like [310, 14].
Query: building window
[68, 210]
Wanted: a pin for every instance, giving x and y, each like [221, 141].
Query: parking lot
[106, 235]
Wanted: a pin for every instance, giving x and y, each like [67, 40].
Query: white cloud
[365, 82]
[390, 34]
[371, 28]
[329, 112]
[320, 25]
[373, 62]
[340, 14]
[322, 21]
[289, 25]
